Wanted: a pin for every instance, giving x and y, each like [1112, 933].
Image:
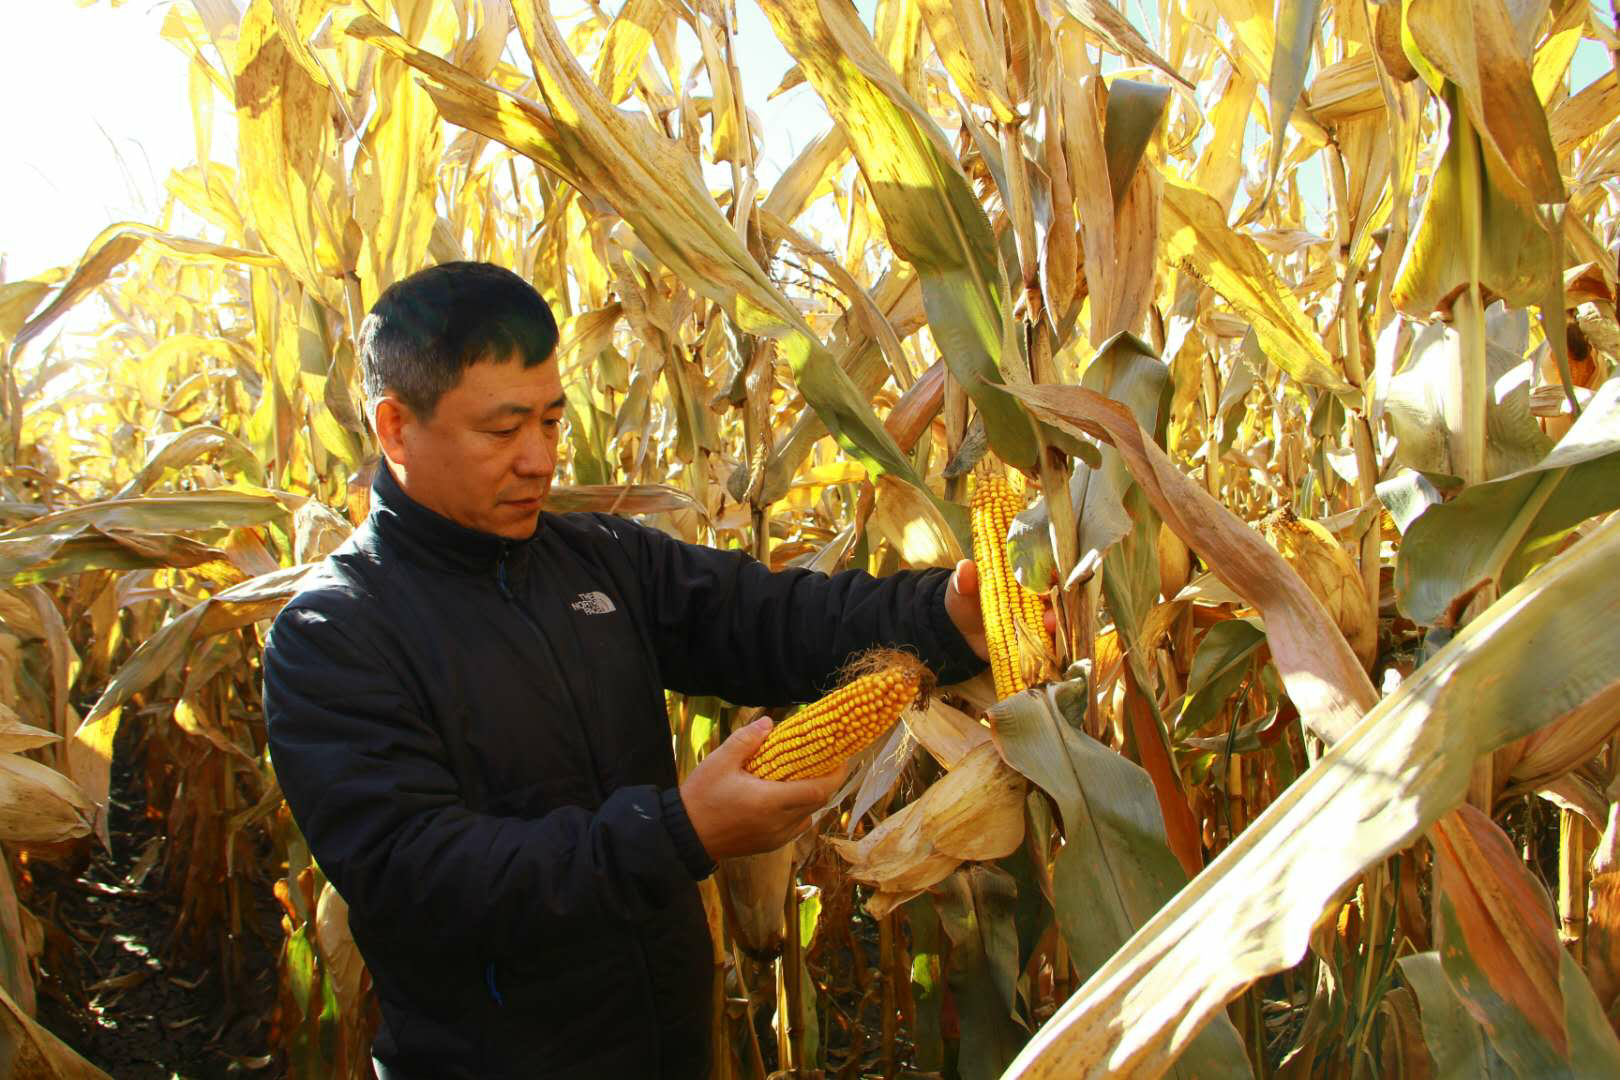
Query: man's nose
[537, 456]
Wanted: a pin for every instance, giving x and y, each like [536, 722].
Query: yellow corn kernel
[823, 735]
[1014, 619]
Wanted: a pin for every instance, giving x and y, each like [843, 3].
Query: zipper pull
[494, 990]
[500, 572]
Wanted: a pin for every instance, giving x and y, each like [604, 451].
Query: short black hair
[426, 329]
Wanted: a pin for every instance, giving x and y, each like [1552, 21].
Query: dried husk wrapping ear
[976, 811]
[753, 889]
[1326, 567]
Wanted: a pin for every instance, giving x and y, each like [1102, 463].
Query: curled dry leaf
[343, 963]
[1500, 928]
[16, 735]
[1603, 940]
[16, 955]
[1567, 743]
[1498, 944]
[39, 804]
[32, 1053]
[976, 811]
[1322, 675]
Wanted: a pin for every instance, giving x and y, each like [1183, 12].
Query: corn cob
[1014, 619]
[1327, 569]
[823, 735]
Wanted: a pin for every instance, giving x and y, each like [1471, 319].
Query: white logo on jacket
[593, 603]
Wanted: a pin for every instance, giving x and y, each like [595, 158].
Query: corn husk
[1326, 568]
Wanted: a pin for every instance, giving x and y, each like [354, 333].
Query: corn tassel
[823, 735]
[1014, 618]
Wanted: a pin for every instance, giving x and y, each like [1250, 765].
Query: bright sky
[96, 115]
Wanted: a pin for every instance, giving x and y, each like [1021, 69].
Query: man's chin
[517, 520]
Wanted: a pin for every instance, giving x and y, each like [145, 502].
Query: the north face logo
[593, 603]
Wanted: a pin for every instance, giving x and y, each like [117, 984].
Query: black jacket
[471, 733]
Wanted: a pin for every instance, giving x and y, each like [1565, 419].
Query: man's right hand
[734, 812]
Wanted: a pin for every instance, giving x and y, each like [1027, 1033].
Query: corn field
[1294, 324]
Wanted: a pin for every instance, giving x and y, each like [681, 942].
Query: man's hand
[734, 812]
[962, 605]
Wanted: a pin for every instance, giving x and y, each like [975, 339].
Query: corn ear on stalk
[824, 734]
[1014, 620]
[1327, 569]
[1175, 562]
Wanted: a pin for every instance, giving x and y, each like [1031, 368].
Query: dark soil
[112, 984]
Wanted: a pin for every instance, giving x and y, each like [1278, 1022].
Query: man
[466, 713]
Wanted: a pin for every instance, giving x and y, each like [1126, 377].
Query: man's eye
[505, 432]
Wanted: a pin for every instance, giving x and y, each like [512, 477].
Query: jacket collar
[431, 538]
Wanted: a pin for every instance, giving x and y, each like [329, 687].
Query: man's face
[486, 456]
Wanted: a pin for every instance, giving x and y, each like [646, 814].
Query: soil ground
[112, 986]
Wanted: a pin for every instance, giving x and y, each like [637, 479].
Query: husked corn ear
[1327, 569]
[1014, 619]
[824, 734]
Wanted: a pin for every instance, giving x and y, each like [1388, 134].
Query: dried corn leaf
[1498, 944]
[90, 753]
[630, 499]
[1415, 407]
[1517, 255]
[1115, 869]
[39, 804]
[175, 450]
[628, 38]
[978, 909]
[17, 736]
[396, 176]
[16, 956]
[111, 249]
[1296, 29]
[1498, 531]
[754, 891]
[340, 955]
[1578, 118]
[913, 526]
[285, 145]
[658, 189]
[1564, 745]
[917, 186]
[1603, 939]
[32, 1053]
[1106, 21]
[1474, 44]
[1321, 674]
[1195, 235]
[18, 299]
[1456, 1041]
[1405, 764]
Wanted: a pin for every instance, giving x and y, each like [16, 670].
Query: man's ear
[389, 418]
